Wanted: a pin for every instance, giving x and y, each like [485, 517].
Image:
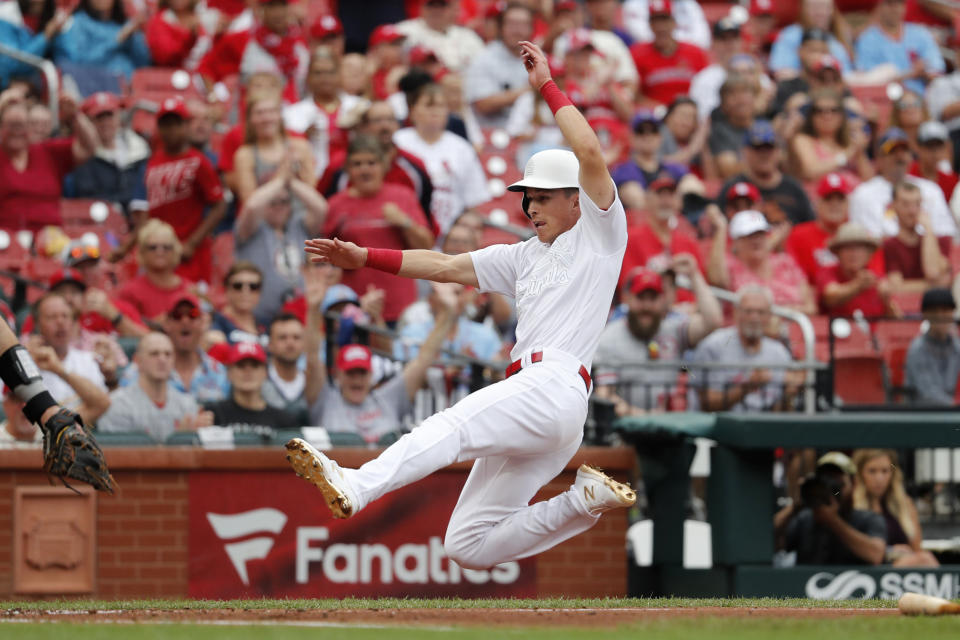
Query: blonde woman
[158, 287]
[879, 488]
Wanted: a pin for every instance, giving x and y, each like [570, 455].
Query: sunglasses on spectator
[179, 314]
[834, 109]
[239, 286]
[82, 253]
[159, 247]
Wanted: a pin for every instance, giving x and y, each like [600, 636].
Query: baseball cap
[663, 180]
[743, 190]
[99, 103]
[937, 298]
[891, 139]
[760, 134]
[564, 5]
[385, 33]
[660, 8]
[724, 26]
[173, 106]
[814, 34]
[827, 62]
[761, 7]
[839, 460]
[645, 116]
[579, 39]
[746, 223]
[336, 294]
[354, 356]
[67, 275]
[421, 54]
[241, 351]
[326, 26]
[187, 298]
[932, 131]
[642, 279]
[833, 183]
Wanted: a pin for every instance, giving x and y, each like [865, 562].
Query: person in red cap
[349, 402]
[807, 242]
[183, 190]
[31, 175]
[659, 238]
[176, 35]
[761, 29]
[741, 196]
[385, 49]
[666, 66]
[436, 29]
[692, 26]
[650, 332]
[273, 44]
[327, 32]
[116, 171]
[494, 80]
[245, 408]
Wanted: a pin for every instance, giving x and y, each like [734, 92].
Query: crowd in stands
[803, 158]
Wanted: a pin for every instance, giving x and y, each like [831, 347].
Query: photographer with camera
[825, 528]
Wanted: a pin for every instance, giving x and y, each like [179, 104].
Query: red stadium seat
[78, 213]
[150, 86]
[909, 303]
[894, 338]
[859, 380]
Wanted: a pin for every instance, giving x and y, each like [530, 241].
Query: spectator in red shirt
[914, 262]
[31, 175]
[154, 291]
[375, 214]
[850, 285]
[807, 242]
[176, 36]
[181, 185]
[665, 65]
[654, 242]
[933, 157]
[385, 50]
[274, 43]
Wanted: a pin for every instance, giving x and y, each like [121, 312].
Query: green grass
[864, 628]
[441, 603]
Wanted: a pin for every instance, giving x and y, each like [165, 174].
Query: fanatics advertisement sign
[269, 534]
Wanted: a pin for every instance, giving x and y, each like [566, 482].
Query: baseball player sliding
[523, 430]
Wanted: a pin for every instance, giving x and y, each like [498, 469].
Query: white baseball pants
[522, 431]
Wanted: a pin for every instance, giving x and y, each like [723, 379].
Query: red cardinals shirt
[869, 301]
[179, 189]
[31, 199]
[361, 220]
[662, 78]
[644, 249]
[807, 243]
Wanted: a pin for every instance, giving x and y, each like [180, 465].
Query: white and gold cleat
[322, 472]
[600, 492]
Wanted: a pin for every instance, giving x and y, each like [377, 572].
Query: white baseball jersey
[563, 289]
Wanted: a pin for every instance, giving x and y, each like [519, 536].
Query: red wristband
[554, 98]
[388, 260]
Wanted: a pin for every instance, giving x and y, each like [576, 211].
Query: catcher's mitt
[69, 451]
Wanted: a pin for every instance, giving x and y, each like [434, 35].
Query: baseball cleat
[600, 492]
[322, 472]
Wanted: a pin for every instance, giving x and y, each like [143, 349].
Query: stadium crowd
[803, 158]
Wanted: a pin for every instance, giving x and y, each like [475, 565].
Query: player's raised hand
[345, 255]
[535, 62]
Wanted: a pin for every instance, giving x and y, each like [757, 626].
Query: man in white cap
[523, 430]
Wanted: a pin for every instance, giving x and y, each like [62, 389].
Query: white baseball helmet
[550, 169]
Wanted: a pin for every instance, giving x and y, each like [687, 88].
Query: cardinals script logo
[240, 525]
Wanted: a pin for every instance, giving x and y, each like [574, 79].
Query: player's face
[354, 384]
[552, 212]
[247, 376]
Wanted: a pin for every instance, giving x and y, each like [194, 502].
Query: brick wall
[142, 536]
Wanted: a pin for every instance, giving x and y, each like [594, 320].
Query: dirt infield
[606, 618]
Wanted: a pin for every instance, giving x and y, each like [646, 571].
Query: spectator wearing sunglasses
[158, 286]
[236, 321]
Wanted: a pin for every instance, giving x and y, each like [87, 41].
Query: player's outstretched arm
[594, 177]
[69, 451]
[420, 264]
